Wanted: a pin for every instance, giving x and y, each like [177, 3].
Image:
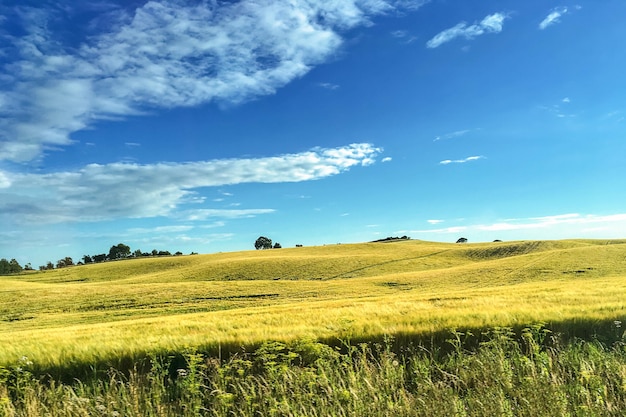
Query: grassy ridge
[125, 309]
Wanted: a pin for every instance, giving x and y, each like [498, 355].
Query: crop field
[398, 328]
[102, 312]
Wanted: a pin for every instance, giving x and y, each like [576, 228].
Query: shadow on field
[441, 342]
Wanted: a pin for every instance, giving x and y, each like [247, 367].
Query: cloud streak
[461, 161]
[163, 54]
[492, 23]
[557, 226]
[452, 135]
[553, 17]
[126, 190]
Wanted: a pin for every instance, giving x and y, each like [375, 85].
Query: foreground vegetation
[506, 375]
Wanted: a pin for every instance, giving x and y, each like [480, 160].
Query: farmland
[115, 313]
[354, 291]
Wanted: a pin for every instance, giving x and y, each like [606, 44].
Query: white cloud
[562, 226]
[159, 229]
[490, 24]
[386, 159]
[4, 181]
[329, 86]
[549, 221]
[404, 35]
[452, 135]
[434, 221]
[164, 55]
[553, 17]
[461, 161]
[126, 190]
[453, 229]
[203, 214]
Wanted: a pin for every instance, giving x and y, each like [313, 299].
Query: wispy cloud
[204, 214]
[490, 24]
[559, 109]
[386, 159]
[461, 161]
[452, 135]
[556, 226]
[162, 55]
[125, 190]
[553, 17]
[329, 86]
[404, 36]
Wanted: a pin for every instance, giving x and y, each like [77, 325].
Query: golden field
[100, 312]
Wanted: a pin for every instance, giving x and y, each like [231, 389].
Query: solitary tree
[277, 245]
[461, 240]
[263, 243]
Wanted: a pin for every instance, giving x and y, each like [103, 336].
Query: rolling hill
[101, 312]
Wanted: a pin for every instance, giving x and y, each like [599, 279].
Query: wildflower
[25, 361]
[182, 372]
[617, 324]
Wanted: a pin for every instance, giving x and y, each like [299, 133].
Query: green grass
[532, 375]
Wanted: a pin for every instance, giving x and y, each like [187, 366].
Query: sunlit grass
[96, 313]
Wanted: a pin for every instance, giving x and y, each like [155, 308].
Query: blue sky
[199, 126]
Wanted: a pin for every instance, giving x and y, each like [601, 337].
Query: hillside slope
[133, 306]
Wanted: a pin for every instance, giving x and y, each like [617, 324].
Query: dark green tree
[87, 259]
[100, 258]
[9, 267]
[119, 251]
[263, 243]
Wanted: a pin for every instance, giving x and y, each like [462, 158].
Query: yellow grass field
[100, 312]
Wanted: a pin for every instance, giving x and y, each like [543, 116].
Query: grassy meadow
[116, 315]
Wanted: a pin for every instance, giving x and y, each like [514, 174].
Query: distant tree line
[116, 252]
[392, 238]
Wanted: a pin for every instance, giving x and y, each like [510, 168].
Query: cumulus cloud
[461, 161]
[490, 24]
[122, 190]
[163, 54]
[553, 17]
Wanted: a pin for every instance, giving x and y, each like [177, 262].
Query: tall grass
[532, 374]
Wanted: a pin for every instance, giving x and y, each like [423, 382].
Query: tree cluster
[265, 243]
[11, 267]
